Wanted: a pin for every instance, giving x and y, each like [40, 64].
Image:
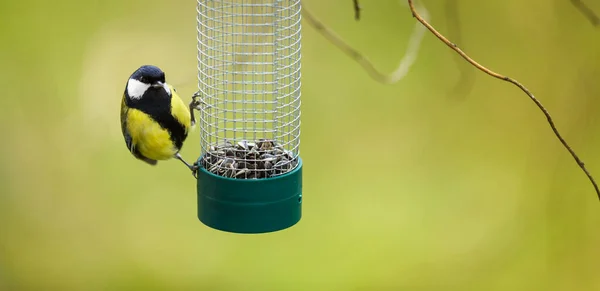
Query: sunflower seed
[241, 172]
[249, 159]
[242, 145]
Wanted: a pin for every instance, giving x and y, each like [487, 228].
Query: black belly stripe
[157, 104]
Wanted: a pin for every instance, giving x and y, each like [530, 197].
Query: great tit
[154, 120]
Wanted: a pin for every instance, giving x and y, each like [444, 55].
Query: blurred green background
[406, 186]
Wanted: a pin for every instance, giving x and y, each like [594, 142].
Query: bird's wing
[128, 139]
[126, 135]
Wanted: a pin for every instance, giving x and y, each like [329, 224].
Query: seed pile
[249, 160]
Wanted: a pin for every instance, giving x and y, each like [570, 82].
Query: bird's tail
[150, 162]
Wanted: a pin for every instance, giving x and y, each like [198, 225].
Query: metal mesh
[249, 78]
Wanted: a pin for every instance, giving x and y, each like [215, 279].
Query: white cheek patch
[136, 89]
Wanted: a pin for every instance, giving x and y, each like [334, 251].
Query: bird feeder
[250, 173]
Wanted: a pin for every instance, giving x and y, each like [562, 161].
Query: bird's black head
[149, 74]
[147, 79]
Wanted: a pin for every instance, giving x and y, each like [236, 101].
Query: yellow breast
[149, 138]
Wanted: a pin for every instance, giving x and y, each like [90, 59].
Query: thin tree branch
[510, 80]
[405, 63]
[587, 12]
[356, 10]
[464, 85]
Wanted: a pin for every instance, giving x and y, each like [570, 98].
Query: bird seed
[249, 160]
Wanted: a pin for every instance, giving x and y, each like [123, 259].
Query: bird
[154, 120]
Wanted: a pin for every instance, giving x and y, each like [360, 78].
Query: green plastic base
[250, 205]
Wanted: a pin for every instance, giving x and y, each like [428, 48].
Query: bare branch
[356, 10]
[464, 85]
[510, 80]
[587, 12]
[405, 63]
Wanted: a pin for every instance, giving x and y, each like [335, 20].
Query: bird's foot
[197, 102]
[194, 169]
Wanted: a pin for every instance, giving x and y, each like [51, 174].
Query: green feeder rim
[250, 205]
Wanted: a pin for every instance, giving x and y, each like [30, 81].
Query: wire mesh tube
[250, 175]
[249, 79]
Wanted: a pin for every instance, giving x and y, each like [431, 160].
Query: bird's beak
[158, 84]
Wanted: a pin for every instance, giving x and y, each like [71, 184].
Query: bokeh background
[411, 186]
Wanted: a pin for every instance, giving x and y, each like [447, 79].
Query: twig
[405, 63]
[510, 80]
[356, 10]
[464, 85]
[587, 12]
